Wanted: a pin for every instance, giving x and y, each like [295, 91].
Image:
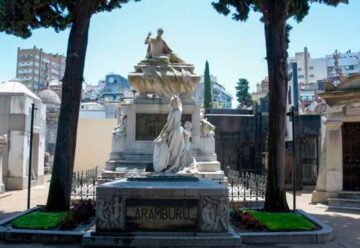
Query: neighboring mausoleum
[339, 172]
[52, 101]
[15, 117]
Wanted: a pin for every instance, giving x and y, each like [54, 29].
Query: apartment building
[36, 68]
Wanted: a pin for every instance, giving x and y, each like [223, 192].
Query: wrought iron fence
[84, 184]
[246, 185]
[243, 185]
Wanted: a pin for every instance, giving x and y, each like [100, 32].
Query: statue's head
[175, 103]
[160, 32]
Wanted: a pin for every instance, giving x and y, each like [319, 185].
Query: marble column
[334, 157]
[3, 142]
[319, 195]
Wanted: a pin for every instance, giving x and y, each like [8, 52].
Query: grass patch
[39, 220]
[290, 221]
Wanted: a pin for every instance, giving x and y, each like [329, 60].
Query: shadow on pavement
[4, 215]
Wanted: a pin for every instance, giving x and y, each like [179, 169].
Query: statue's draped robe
[178, 157]
[157, 47]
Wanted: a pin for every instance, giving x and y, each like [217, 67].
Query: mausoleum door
[351, 156]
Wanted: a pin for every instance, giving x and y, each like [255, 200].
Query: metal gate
[234, 153]
[309, 159]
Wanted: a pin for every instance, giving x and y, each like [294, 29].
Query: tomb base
[162, 211]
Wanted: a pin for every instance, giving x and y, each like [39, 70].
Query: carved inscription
[161, 214]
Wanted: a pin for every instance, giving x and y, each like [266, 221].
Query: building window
[299, 69]
[311, 67]
[301, 76]
[311, 75]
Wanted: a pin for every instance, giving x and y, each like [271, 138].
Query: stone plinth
[165, 80]
[150, 208]
[141, 122]
[162, 203]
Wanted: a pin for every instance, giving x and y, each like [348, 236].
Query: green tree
[242, 93]
[207, 87]
[274, 17]
[20, 18]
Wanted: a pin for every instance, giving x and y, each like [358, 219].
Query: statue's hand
[149, 34]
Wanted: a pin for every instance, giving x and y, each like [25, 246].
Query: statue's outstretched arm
[148, 38]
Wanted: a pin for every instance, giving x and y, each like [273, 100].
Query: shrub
[80, 212]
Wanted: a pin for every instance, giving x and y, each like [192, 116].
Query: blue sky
[196, 32]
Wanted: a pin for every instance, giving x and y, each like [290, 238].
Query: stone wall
[93, 143]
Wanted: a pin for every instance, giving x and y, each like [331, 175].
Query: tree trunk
[60, 185]
[276, 52]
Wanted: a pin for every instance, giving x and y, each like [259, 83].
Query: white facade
[221, 98]
[312, 70]
[349, 63]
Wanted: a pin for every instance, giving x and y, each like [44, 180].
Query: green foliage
[207, 87]
[277, 222]
[40, 220]
[242, 93]
[240, 9]
[21, 17]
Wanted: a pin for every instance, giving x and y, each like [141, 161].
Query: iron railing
[243, 185]
[246, 185]
[84, 184]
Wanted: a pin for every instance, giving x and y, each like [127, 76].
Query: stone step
[343, 202]
[130, 156]
[136, 164]
[349, 195]
[210, 166]
[142, 156]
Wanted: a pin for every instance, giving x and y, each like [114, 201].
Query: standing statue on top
[159, 51]
[172, 151]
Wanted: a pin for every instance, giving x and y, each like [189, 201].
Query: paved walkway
[16, 201]
[346, 224]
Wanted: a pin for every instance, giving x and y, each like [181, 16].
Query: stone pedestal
[140, 123]
[150, 208]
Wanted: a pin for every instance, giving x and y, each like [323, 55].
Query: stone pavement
[346, 224]
[16, 201]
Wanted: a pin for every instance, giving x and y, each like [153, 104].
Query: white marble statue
[159, 51]
[162, 73]
[171, 148]
[207, 129]
[120, 129]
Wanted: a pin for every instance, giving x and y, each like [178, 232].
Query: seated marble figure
[158, 51]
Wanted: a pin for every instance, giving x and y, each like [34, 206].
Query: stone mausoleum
[52, 101]
[339, 173]
[15, 118]
[163, 131]
[141, 121]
